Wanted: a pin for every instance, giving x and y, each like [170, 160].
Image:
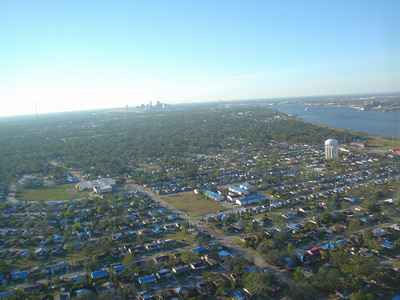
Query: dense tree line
[115, 143]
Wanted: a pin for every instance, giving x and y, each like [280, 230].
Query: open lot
[192, 204]
[61, 192]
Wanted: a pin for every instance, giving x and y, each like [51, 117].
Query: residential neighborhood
[251, 220]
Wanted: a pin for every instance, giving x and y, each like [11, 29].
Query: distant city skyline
[78, 55]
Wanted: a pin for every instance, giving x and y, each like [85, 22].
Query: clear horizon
[70, 56]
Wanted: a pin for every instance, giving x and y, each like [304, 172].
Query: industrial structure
[331, 148]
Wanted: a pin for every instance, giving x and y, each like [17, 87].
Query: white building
[238, 191]
[214, 196]
[331, 148]
[101, 185]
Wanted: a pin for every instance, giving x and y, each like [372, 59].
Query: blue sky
[70, 55]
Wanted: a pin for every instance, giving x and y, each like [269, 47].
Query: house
[246, 186]
[76, 278]
[238, 191]
[101, 185]
[200, 249]
[161, 259]
[62, 296]
[200, 190]
[315, 252]
[181, 269]
[343, 293]
[105, 287]
[163, 273]
[212, 259]
[252, 269]
[19, 275]
[155, 246]
[82, 292]
[198, 265]
[99, 274]
[147, 279]
[250, 200]
[41, 251]
[35, 288]
[234, 198]
[58, 267]
[238, 295]
[214, 196]
[387, 245]
[119, 268]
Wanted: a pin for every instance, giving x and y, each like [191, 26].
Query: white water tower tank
[331, 148]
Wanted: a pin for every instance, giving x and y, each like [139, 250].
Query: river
[368, 121]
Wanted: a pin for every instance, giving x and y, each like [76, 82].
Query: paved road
[221, 238]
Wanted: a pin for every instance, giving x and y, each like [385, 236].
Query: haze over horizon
[68, 56]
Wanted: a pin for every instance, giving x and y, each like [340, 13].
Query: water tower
[331, 148]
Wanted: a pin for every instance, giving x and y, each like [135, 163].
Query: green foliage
[189, 256]
[259, 284]
[237, 263]
[300, 291]
[360, 295]
[326, 280]
[276, 256]
[86, 138]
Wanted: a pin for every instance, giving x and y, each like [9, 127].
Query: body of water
[373, 122]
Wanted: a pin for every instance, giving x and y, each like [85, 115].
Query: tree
[360, 295]
[326, 280]
[237, 263]
[259, 284]
[300, 291]
[129, 262]
[276, 256]
[223, 287]
[189, 256]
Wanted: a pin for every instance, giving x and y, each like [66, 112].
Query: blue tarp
[99, 274]
[328, 246]
[77, 278]
[252, 269]
[224, 253]
[119, 268]
[147, 279]
[387, 244]
[200, 249]
[19, 275]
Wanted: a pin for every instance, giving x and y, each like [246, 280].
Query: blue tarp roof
[210, 193]
[341, 241]
[387, 244]
[19, 275]
[224, 253]
[99, 274]
[288, 260]
[239, 295]
[300, 255]
[164, 271]
[77, 278]
[328, 246]
[200, 249]
[235, 188]
[147, 279]
[295, 226]
[379, 232]
[119, 268]
[252, 198]
[252, 269]
[368, 219]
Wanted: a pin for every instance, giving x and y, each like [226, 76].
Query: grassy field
[61, 192]
[192, 204]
